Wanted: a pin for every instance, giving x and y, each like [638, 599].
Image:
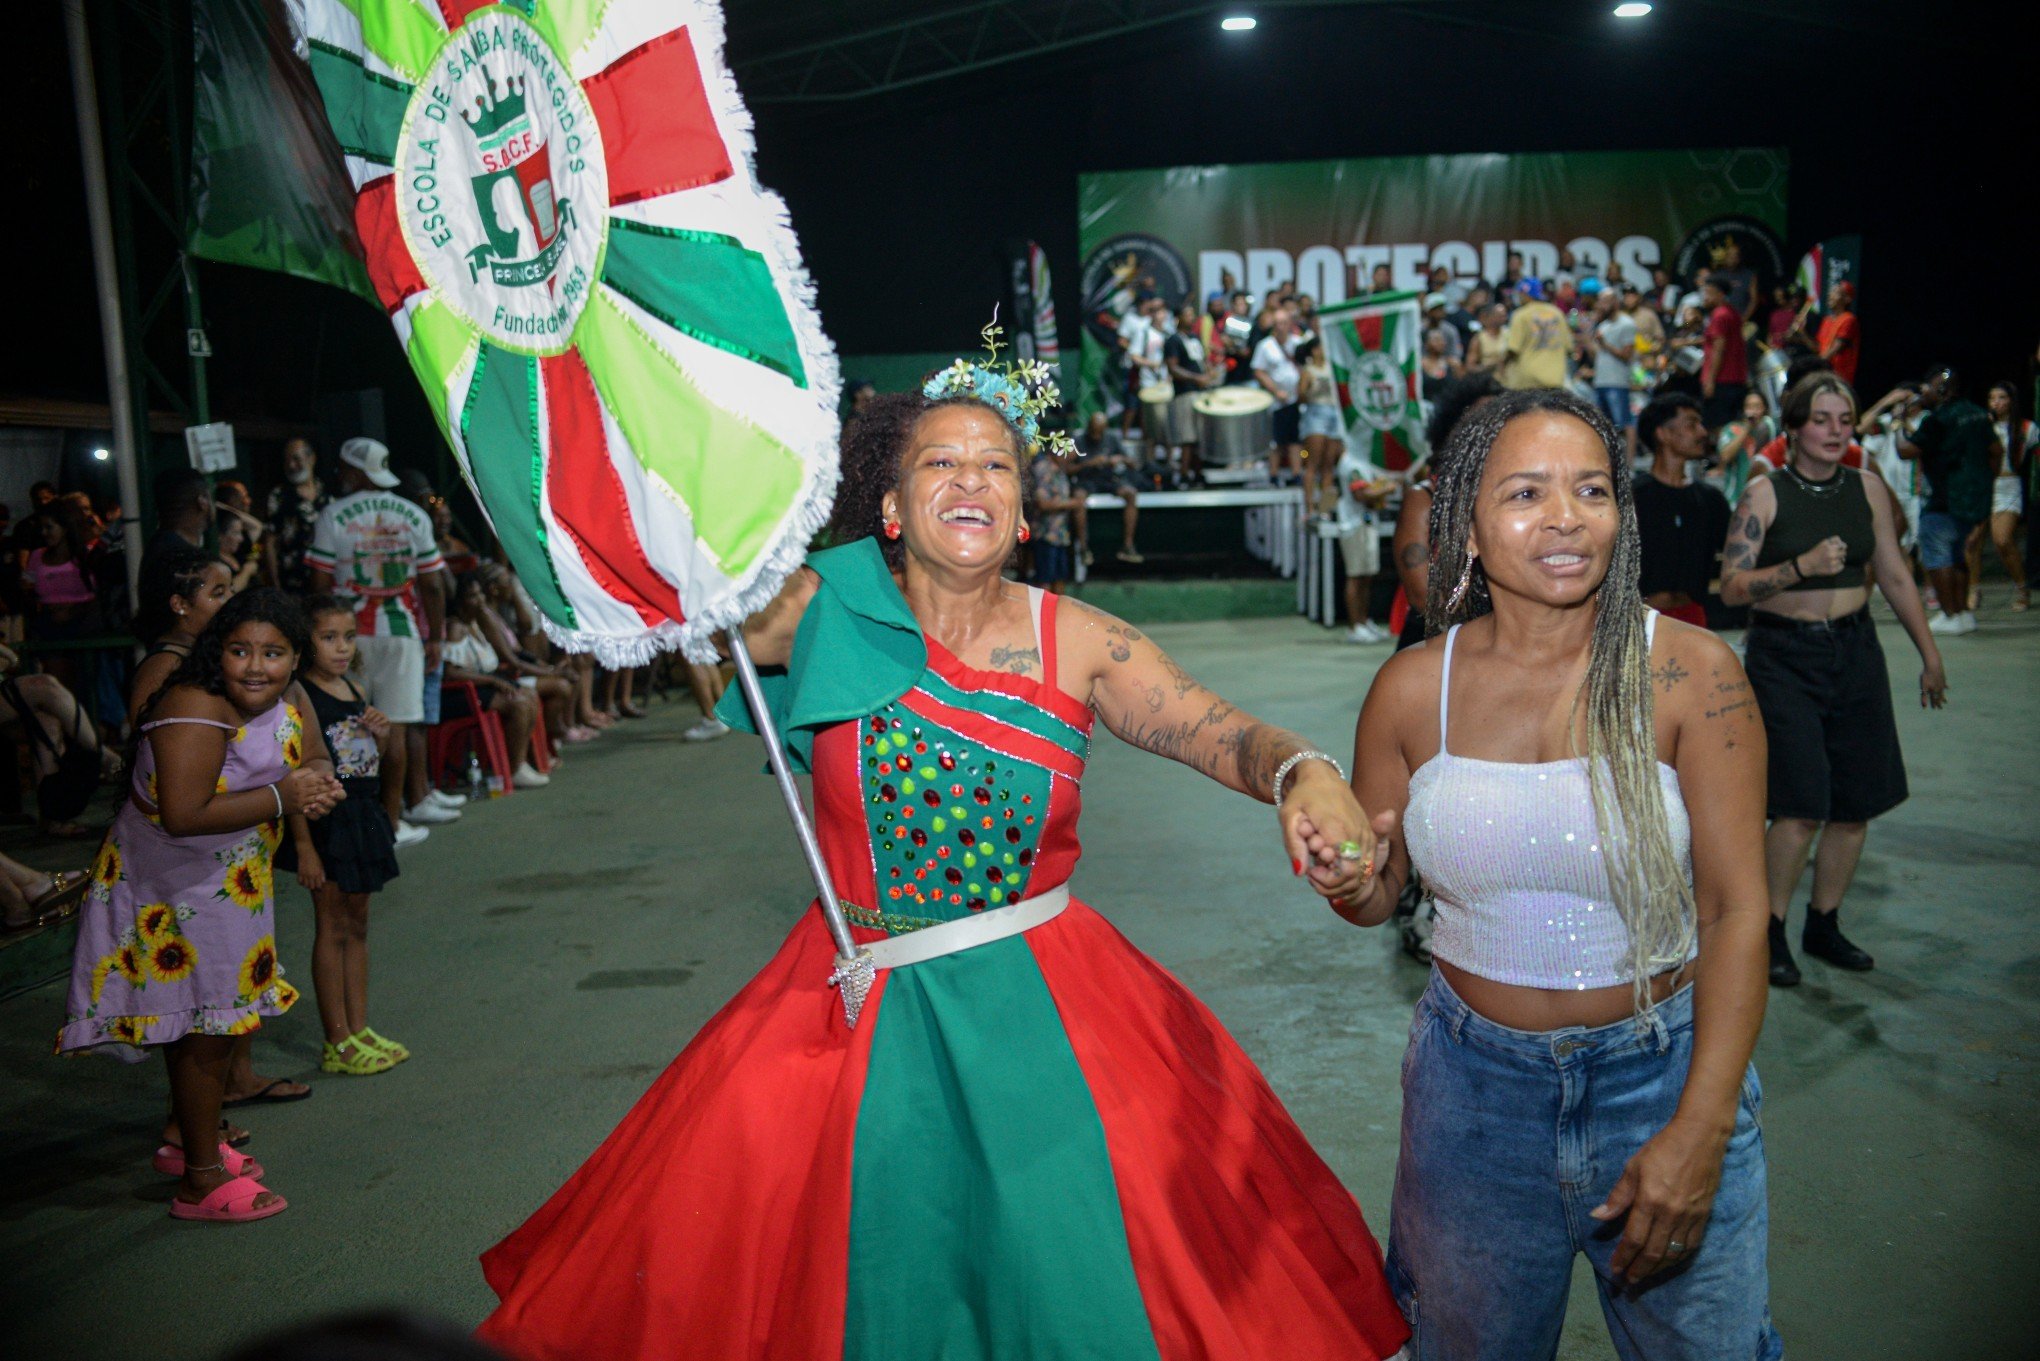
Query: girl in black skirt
[349, 854]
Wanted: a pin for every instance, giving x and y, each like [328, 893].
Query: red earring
[892, 529]
[1024, 534]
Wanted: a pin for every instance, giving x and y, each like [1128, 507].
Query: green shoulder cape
[858, 648]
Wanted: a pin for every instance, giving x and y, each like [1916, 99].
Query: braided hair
[201, 667]
[874, 452]
[1651, 888]
[171, 572]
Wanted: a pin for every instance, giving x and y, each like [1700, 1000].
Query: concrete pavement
[548, 956]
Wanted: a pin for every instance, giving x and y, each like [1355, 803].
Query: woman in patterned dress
[176, 943]
[1039, 1144]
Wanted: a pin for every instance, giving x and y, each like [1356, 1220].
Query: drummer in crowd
[1194, 367]
[1103, 467]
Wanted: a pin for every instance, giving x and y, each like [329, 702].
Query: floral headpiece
[1020, 392]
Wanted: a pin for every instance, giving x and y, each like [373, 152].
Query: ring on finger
[1351, 850]
[1674, 1248]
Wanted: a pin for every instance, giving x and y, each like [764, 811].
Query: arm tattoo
[1413, 555]
[1257, 750]
[1181, 740]
[1670, 674]
[1018, 660]
[1733, 701]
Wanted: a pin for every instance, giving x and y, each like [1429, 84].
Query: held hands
[376, 721]
[1319, 814]
[314, 793]
[1667, 1192]
[1824, 559]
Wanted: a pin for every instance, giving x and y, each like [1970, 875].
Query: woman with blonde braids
[1581, 783]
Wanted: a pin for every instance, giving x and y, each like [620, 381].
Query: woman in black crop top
[1804, 548]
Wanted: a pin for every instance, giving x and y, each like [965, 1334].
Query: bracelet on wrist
[1282, 771]
[1798, 572]
[276, 788]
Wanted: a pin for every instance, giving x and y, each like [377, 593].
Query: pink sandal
[231, 1202]
[169, 1160]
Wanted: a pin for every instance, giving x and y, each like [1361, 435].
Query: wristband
[1282, 771]
[275, 789]
[1798, 572]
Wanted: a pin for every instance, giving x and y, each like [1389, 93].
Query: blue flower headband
[1021, 392]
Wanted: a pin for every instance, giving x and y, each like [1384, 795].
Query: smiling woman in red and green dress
[1039, 1144]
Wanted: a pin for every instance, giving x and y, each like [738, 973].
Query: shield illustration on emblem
[516, 164]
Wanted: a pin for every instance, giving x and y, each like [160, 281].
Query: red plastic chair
[478, 727]
[542, 758]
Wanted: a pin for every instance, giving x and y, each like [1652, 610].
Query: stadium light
[102, 455]
[1240, 23]
[1635, 10]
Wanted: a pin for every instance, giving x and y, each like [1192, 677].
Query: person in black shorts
[1804, 548]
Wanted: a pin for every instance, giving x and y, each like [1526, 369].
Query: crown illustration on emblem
[1718, 254]
[498, 108]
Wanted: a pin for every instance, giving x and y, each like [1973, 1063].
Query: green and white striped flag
[1372, 344]
[554, 203]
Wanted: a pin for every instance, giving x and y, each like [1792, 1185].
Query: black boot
[1823, 939]
[1784, 973]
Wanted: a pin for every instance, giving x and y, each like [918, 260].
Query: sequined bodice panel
[954, 825]
[960, 796]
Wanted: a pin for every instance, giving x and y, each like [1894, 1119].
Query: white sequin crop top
[1511, 852]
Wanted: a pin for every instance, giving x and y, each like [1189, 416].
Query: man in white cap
[375, 550]
[1436, 308]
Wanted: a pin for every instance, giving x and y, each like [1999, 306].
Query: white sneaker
[428, 812]
[1365, 632]
[409, 834]
[528, 778]
[707, 730]
[442, 799]
[1945, 624]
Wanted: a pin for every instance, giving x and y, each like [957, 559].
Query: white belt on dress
[855, 976]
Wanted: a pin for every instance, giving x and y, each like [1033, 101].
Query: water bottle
[477, 783]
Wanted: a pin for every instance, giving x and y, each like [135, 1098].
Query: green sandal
[363, 1062]
[369, 1039]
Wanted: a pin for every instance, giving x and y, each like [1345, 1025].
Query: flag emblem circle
[502, 191]
[1377, 390]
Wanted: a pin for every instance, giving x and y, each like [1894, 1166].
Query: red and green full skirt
[1041, 1147]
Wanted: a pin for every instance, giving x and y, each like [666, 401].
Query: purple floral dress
[178, 934]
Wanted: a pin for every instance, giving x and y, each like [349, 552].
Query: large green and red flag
[1372, 345]
[554, 202]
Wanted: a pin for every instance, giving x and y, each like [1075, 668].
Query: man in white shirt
[1275, 371]
[1614, 347]
[1140, 348]
[376, 552]
[1362, 488]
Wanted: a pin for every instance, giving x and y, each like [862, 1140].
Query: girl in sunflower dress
[1034, 1142]
[176, 942]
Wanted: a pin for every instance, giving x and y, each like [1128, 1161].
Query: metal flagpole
[119, 391]
[853, 966]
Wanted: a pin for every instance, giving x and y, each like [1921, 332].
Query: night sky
[1915, 135]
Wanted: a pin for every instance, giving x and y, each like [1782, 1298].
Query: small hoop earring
[1025, 534]
[892, 529]
[1459, 591]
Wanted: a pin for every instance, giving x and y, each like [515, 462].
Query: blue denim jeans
[1509, 1138]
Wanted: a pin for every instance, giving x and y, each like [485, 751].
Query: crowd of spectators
[444, 630]
[1713, 356]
